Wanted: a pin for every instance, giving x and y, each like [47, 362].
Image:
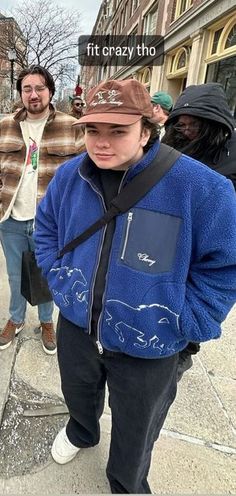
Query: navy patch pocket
[149, 240]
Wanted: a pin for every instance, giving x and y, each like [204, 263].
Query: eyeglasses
[195, 126]
[37, 89]
[78, 104]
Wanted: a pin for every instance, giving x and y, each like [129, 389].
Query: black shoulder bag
[130, 194]
[34, 286]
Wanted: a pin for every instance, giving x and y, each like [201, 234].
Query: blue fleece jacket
[171, 277]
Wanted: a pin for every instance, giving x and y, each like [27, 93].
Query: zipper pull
[100, 348]
[128, 225]
[130, 216]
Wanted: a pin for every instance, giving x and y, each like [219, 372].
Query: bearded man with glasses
[34, 141]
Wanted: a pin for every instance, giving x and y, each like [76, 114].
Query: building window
[135, 4]
[132, 38]
[182, 62]
[150, 20]
[222, 41]
[231, 38]
[179, 62]
[172, 59]
[216, 40]
[224, 72]
[115, 28]
[221, 59]
[182, 6]
[106, 11]
[144, 76]
[125, 14]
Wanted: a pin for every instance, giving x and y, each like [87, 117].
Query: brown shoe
[9, 332]
[48, 338]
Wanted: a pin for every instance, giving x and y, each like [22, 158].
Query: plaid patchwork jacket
[60, 142]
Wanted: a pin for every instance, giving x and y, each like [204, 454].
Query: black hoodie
[208, 101]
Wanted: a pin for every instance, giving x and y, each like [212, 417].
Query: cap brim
[109, 118]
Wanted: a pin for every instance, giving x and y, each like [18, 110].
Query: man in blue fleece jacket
[138, 290]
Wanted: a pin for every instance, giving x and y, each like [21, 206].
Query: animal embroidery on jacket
[121, 318]
[73, 291]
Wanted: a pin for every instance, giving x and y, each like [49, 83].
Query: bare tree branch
[46, 34]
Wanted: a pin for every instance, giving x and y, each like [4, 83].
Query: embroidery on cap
[110, 98]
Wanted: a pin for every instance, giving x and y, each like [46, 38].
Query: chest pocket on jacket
[149, 240]
[56, 155]
[62, 151]
[9, 159]
[10, 147]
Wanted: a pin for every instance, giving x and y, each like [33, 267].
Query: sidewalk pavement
[195, 454]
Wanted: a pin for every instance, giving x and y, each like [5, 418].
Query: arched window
[179, 61]
[222, 39]
[144, 76]
[182, 62]
[216, 38]
[231, 38]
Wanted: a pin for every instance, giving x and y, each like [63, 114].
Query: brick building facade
[11, 38]
[199, 43]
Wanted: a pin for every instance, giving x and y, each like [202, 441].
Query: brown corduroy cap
[117, 102]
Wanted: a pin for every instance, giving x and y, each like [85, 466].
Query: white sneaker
[63, 451]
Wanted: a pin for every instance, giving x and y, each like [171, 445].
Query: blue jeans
[16, 237]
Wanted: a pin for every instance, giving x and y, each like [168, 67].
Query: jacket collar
[90, 172]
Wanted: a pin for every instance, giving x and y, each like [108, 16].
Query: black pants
[140, 394]
[191, 349]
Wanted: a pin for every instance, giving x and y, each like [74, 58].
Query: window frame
[221, 52]
[178, 11]
[153, 10]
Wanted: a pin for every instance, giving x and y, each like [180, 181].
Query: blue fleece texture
[172, 267]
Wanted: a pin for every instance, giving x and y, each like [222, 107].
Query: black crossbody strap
[130, 194]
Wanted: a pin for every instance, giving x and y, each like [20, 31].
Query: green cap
[163, 99]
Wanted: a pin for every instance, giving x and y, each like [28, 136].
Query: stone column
[195, 58]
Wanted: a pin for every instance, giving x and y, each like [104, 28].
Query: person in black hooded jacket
[202, 126]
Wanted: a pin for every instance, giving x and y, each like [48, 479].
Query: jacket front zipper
[98, 342]
[128, 226]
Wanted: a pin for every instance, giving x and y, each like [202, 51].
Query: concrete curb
[7, 361]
